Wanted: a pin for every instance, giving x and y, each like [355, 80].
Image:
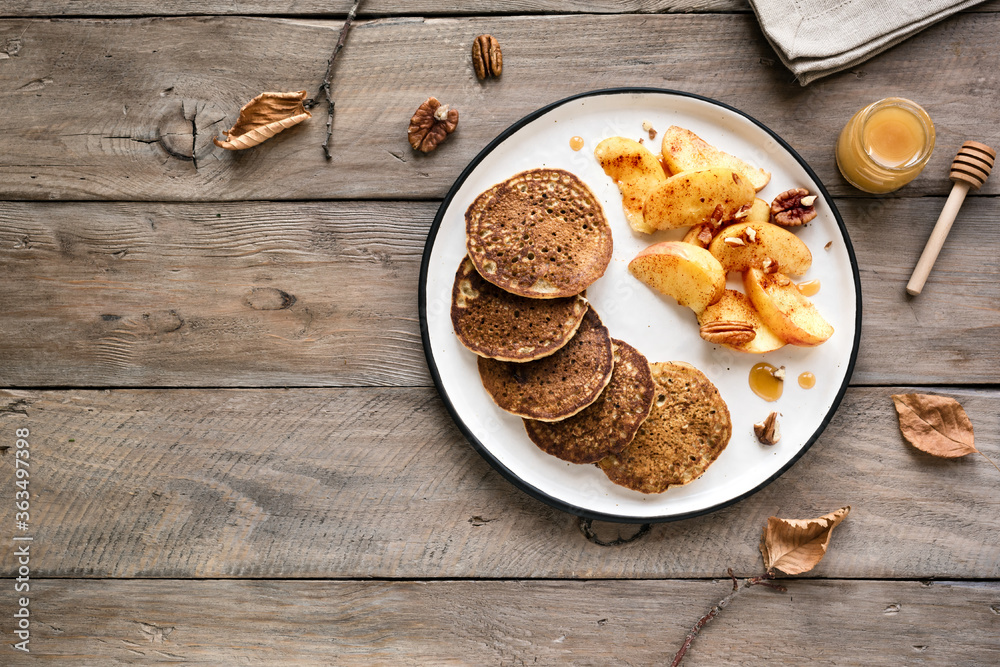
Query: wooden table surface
[238, 455]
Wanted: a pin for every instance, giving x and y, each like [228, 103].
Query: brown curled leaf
[263, 117]
[795, 546]
[937, 425]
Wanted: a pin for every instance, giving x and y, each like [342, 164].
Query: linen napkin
[815, 38]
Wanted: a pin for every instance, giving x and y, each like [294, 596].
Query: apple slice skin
[766, 241]
[784, 309]
[736, 307]
[689, 274]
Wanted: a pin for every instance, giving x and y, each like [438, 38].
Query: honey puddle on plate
[809, 288]
[763, 383]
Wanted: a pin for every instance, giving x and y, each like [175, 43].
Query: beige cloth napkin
[815, 38]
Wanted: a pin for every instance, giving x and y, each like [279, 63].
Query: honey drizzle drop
[807, 380]
[763, 383]
[576, 143]
[809, 288]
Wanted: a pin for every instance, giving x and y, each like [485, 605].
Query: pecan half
[727, 332]
[431, 123]
[487, 59]
[646, 125]
[767, 431]
[793, 207]
[716, 218]
[705, 235]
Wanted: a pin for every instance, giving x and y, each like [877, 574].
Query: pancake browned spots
[500, 325]
[556, 386]
[540, 234]
[685, 432]
[610, 423]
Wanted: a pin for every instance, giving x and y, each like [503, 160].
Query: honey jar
[885, 145]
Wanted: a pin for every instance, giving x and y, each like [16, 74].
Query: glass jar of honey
[885, 145]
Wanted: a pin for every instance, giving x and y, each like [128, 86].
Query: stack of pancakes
[535, 243]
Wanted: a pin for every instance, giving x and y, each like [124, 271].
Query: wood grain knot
[157, 322]
[268, 298]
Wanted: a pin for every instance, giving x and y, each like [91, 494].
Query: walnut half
[767, 431]
[793, 207]
[431, 124]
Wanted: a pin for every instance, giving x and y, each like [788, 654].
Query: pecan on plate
[767, 431]
[487, 59]
[727, 332]
[793, 207]
[431, 123]
[704, 234]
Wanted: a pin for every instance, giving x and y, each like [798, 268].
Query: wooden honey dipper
[970, 169]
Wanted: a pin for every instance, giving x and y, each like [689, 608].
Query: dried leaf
[795, 546]
[935, 424]
[263, 117]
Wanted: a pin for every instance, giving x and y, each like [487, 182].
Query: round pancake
[500, 325]
[610, 422]
[556, 386]
[541, 234]
[685, 432]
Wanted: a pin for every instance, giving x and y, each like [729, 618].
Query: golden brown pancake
[685, 432]
[559, 385]
[541, 234]
[500, 325]
[609, 423]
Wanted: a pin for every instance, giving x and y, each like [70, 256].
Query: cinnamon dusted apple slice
[686, 272]
[635, 170]
[748, 244]
[683, 150]
[726, 322]
[702, 235]
[792, 316]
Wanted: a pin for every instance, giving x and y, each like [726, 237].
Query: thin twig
[763, 580]
[989, 459]
[324, 88]
[586, 527]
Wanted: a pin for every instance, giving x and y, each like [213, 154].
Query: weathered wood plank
[345, 483]
[225, 295]
[29, 8]
[510, 622]
[275, 294]
[126, 109]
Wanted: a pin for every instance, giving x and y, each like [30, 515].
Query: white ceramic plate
[654, 324]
